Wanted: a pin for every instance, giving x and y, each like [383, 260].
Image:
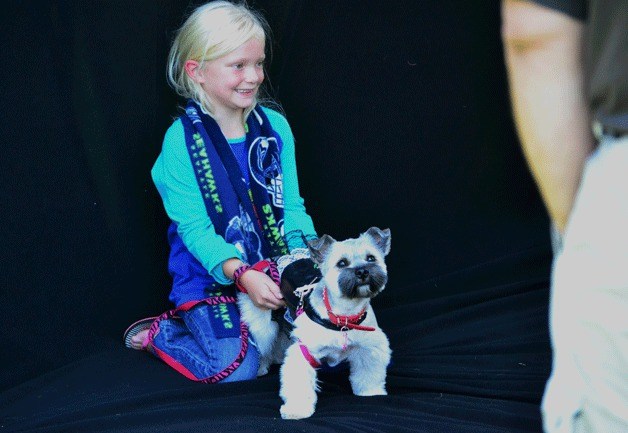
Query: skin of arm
[543, 54]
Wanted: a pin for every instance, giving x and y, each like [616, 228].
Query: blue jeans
[193, 343]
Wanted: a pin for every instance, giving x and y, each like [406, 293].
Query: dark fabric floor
[475, 362]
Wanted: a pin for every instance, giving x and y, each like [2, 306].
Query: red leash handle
[264, 266]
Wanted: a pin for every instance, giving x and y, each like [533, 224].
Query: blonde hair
[212, 30]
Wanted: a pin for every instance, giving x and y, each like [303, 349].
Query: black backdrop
[401, 117]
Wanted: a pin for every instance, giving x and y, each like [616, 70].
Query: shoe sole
[135, 329]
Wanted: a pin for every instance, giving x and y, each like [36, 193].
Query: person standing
[567, 66]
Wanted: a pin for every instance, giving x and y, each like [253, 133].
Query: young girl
[227, 177]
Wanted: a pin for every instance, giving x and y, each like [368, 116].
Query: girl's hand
[262, 290]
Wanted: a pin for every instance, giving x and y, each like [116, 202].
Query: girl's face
[231, 82]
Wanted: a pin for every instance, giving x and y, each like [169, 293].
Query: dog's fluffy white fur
[367, 352]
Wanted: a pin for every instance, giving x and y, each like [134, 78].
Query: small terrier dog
[334, 323]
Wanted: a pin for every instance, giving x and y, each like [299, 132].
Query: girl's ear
[193, 68]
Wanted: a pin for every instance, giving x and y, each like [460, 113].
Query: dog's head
[353, 268]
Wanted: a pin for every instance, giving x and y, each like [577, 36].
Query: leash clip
[301, 292]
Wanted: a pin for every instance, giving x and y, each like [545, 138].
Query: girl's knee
[248, 368]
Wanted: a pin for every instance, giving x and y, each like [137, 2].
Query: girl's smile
[231, 82]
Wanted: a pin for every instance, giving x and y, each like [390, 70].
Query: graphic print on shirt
[265, 168]
[241, 233]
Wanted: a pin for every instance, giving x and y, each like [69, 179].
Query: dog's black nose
[362, 273]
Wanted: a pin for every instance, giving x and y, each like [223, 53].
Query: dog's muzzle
[362, 282]
[362, 274]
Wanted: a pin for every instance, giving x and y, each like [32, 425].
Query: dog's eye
[342, 263]
[371, 258]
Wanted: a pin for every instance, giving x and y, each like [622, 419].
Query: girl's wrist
[263, 266]
[230, 265]
[237, 274]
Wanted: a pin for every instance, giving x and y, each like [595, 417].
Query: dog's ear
[381, 238]
[319, 248]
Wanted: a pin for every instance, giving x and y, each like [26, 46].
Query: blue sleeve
[295, 215]
[174, 178]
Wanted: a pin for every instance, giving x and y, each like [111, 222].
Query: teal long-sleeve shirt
[174, 178]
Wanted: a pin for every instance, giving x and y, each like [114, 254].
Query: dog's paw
[296, 412]
[262, 370]
[371, 392]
